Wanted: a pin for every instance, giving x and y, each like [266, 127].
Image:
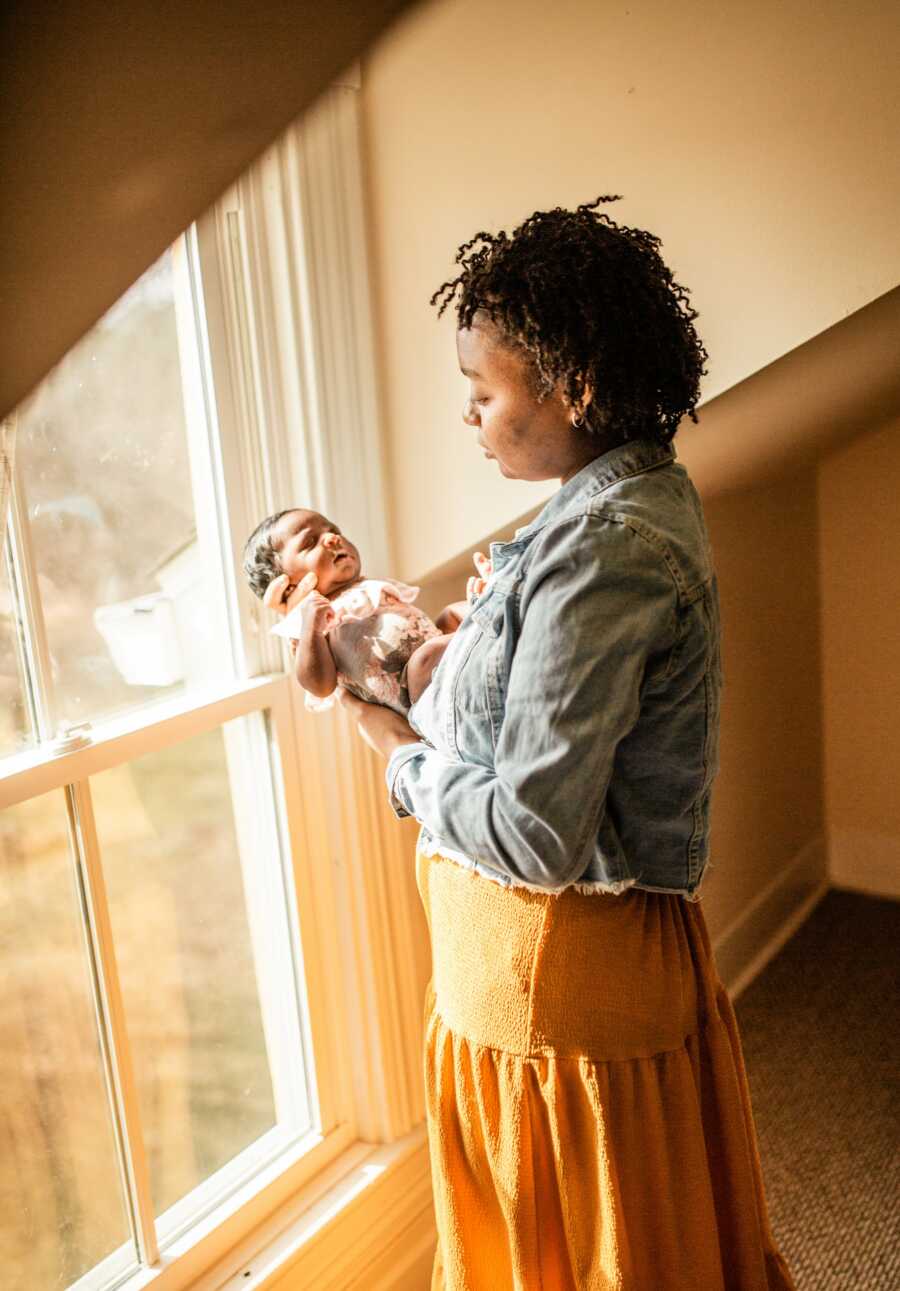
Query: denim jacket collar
[631, 458]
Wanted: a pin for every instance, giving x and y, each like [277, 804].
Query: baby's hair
[260, 561]
[591, 304]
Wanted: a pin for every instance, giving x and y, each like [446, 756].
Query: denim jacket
[570, 730]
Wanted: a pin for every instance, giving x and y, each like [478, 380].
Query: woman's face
[308, 542]
[528, 439]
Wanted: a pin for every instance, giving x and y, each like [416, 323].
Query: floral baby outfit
[377, 628]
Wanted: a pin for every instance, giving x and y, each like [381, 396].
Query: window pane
[61, 1206]
[176, 881]
[15, 723]
[130, 600]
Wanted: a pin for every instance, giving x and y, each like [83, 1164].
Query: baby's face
[308, 542]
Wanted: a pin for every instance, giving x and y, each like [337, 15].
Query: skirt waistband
[606, 977]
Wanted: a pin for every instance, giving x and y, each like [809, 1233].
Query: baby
[362, 633]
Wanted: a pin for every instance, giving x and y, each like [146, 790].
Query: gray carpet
[820, 1030]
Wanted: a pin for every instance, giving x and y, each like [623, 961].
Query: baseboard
[863, 861]
[747, 944]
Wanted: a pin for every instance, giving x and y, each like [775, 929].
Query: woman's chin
[504, 470]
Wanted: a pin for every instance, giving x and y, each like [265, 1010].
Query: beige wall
[859, 503]
[755, 140]
[767, 801]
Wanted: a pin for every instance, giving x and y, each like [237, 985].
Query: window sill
[366, 1219]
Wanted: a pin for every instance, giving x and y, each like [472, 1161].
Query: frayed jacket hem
[596, 887]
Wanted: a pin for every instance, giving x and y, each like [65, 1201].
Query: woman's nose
[470, 415]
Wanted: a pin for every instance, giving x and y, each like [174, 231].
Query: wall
[859, 502]
[755, 140]
[768, 849]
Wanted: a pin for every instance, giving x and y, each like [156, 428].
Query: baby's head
[295, 543]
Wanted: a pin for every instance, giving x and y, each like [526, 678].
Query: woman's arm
[597, 602]
[382, 728]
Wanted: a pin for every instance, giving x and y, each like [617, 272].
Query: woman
[588, 1111]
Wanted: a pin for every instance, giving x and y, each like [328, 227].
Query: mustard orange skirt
[589, 1117]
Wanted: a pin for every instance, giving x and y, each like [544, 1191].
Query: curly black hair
[592, 305]
[260, 560]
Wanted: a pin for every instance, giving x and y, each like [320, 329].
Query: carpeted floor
[820, 1034]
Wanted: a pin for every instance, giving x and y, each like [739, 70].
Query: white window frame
[282, 259]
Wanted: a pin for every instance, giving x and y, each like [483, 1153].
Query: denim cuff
[396, 762]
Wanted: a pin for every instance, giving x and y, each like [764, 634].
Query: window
[155, 1039]
[128, 601]
[155, 1042]
[212, 948]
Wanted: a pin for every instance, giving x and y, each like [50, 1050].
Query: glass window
[152, 1033]
[132, 603]
[184, 895]
[62, 1209]
[191, 1072]
[16, 729]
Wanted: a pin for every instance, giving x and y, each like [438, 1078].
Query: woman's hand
[281, 596]
[381, 728]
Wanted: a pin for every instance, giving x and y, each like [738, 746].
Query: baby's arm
[314, 665]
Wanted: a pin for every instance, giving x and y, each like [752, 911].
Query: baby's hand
[478, 582]
[318, 612]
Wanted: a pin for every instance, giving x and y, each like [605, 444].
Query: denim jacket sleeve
[597, 606]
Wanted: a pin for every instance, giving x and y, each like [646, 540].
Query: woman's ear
[578, 409]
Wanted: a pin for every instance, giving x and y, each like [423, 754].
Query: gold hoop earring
[578, 420]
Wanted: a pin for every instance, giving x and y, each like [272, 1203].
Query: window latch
[75, 736]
